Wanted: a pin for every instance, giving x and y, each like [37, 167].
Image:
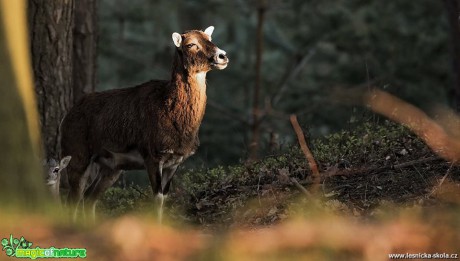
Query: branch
[306, 151]
[441, 181]
[285, 84]
[296, 184]
[301, 188]
[228, 113]
[140, 192]
[254, 145]
[378, 169]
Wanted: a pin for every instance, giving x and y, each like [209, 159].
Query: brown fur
[158, 120]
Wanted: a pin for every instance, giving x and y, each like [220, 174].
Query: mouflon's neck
[189, 88]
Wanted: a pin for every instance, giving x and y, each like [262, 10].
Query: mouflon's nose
[220, 57]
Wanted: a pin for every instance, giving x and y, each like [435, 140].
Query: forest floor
[374, 169]
[381, 191]
[364, 172]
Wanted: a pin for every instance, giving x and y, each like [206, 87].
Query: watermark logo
[21, 248]
[10, 246]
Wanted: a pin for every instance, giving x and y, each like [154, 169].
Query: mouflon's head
[197, 51]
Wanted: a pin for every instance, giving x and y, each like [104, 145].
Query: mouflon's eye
[55, 170]
[189, 45]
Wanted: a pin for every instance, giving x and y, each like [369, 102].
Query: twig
[228, 113]
[415, 162]
[306, 151]
[441, 181]
[447, 173]
[279, 93]
[297, 184]
[380, 169]
[362, 171]
[140, 192]
[301, 188]
[258, 195]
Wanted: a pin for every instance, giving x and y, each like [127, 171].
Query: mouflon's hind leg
[77, 173]
[74, 143]
[104, 179]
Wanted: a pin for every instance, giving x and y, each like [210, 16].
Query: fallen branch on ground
[362, 171]
[347, 172]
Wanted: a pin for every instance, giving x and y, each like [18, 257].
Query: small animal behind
[53, 171]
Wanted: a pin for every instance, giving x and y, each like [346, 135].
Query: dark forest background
[309, 49]
[286, 57]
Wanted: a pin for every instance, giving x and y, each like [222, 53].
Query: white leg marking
[93, 211]
[160, 201]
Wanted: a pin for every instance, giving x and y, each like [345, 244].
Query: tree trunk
[21, 185]
[254, 145]
[453, 12]
[84, 48]
[51, 24]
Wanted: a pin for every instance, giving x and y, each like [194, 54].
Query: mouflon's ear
[177, 39]
[209, 31]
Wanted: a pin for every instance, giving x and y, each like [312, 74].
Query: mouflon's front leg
[155, 170]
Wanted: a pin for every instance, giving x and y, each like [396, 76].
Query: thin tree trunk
[453, 12]
[254, 145]
[84, 48]
[51, 24]
[21, 185]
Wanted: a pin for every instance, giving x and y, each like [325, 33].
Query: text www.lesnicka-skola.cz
[423, 256]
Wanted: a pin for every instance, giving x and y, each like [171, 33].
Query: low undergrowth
[363, 170]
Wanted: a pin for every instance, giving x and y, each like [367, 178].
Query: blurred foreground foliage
[321, 237]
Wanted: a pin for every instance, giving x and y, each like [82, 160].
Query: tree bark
[84, 48]
[453, 12]
[51, 24]
[21, 185]
[255, 129]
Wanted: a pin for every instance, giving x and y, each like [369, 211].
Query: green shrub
[118, 201]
